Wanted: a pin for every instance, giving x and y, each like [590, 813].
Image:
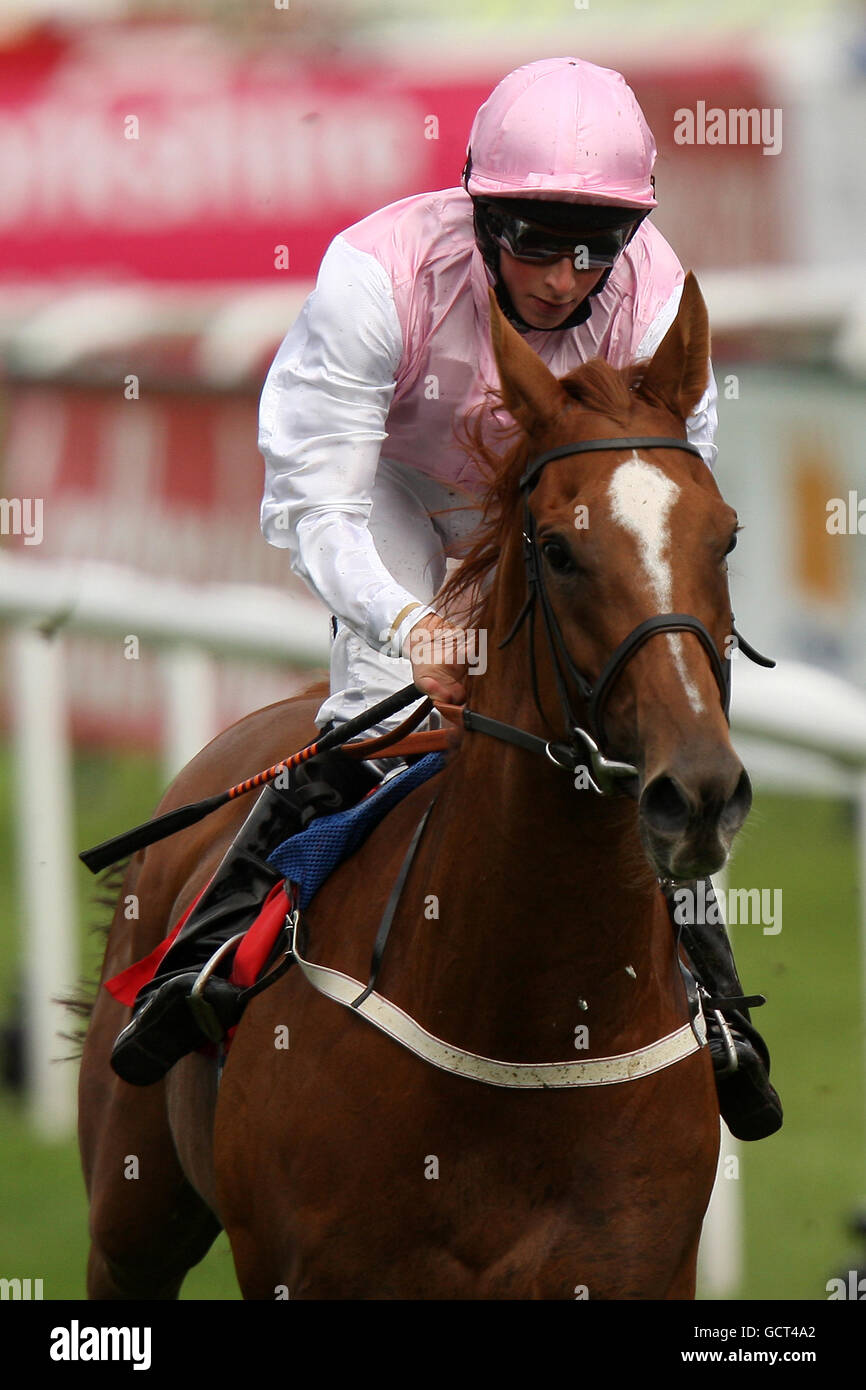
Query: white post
[721, 1254]
[190, 705]
[720, 1265]
[861, 865]
[45, 836]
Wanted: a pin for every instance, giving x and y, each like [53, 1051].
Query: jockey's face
[545, 293]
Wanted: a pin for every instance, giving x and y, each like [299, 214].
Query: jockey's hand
[437, 651]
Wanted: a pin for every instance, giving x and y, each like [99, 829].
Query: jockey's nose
[561, 277]
[564, 282]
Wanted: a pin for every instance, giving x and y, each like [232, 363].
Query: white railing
[191, 626]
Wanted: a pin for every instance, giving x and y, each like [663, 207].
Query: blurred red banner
[161, 160]
[170, 154]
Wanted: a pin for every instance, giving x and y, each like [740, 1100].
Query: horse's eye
[558, 557]
[731, 544]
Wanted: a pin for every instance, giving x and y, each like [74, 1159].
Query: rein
[582, 747]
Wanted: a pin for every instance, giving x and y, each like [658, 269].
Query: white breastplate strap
[596, 1071]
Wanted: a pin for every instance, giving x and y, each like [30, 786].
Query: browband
[589, 446]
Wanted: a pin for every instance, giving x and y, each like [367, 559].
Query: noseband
[584, 748]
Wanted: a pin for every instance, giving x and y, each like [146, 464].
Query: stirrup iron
[203, 1012]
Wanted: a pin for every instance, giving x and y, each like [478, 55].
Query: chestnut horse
[531, 927]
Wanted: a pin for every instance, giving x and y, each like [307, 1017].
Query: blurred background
[172, 172]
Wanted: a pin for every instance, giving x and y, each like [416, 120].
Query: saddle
[308, 858]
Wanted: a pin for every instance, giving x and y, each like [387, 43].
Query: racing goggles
[594, 239]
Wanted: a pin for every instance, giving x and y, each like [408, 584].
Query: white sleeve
[321, 426]
[702, 424]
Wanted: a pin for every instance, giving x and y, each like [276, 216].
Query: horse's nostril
[664, 806]
[738, 805]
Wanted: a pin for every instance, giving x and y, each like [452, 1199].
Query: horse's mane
[603, 390]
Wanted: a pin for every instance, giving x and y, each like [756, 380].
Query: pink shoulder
[402, 235]
[657, 269]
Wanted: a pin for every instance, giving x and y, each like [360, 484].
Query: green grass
[798, 1187]
[801, 1185]
[43, 1208]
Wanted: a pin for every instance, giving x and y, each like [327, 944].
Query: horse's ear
[530, 391]
[677, 375]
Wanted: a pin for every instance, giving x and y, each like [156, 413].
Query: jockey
[367, 485]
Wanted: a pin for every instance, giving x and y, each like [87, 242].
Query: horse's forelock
[605, 390]
[596, 385]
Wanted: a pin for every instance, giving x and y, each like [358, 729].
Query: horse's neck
[559, 912]
[576, 853]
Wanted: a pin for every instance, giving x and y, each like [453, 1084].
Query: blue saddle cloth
[309, 858]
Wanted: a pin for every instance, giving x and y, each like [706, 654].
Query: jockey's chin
[546, 293]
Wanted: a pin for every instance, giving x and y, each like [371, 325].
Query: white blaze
[642, 498]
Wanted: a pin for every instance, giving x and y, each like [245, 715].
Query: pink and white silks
[367, 485]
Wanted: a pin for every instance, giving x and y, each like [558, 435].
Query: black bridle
[583, 748]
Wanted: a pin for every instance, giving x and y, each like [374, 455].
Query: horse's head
[617, 536]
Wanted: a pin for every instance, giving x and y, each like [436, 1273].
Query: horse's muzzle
[689, 817]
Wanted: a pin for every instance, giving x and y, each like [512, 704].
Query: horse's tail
[81, 1000]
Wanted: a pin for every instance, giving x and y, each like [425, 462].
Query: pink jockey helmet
[566, 130]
